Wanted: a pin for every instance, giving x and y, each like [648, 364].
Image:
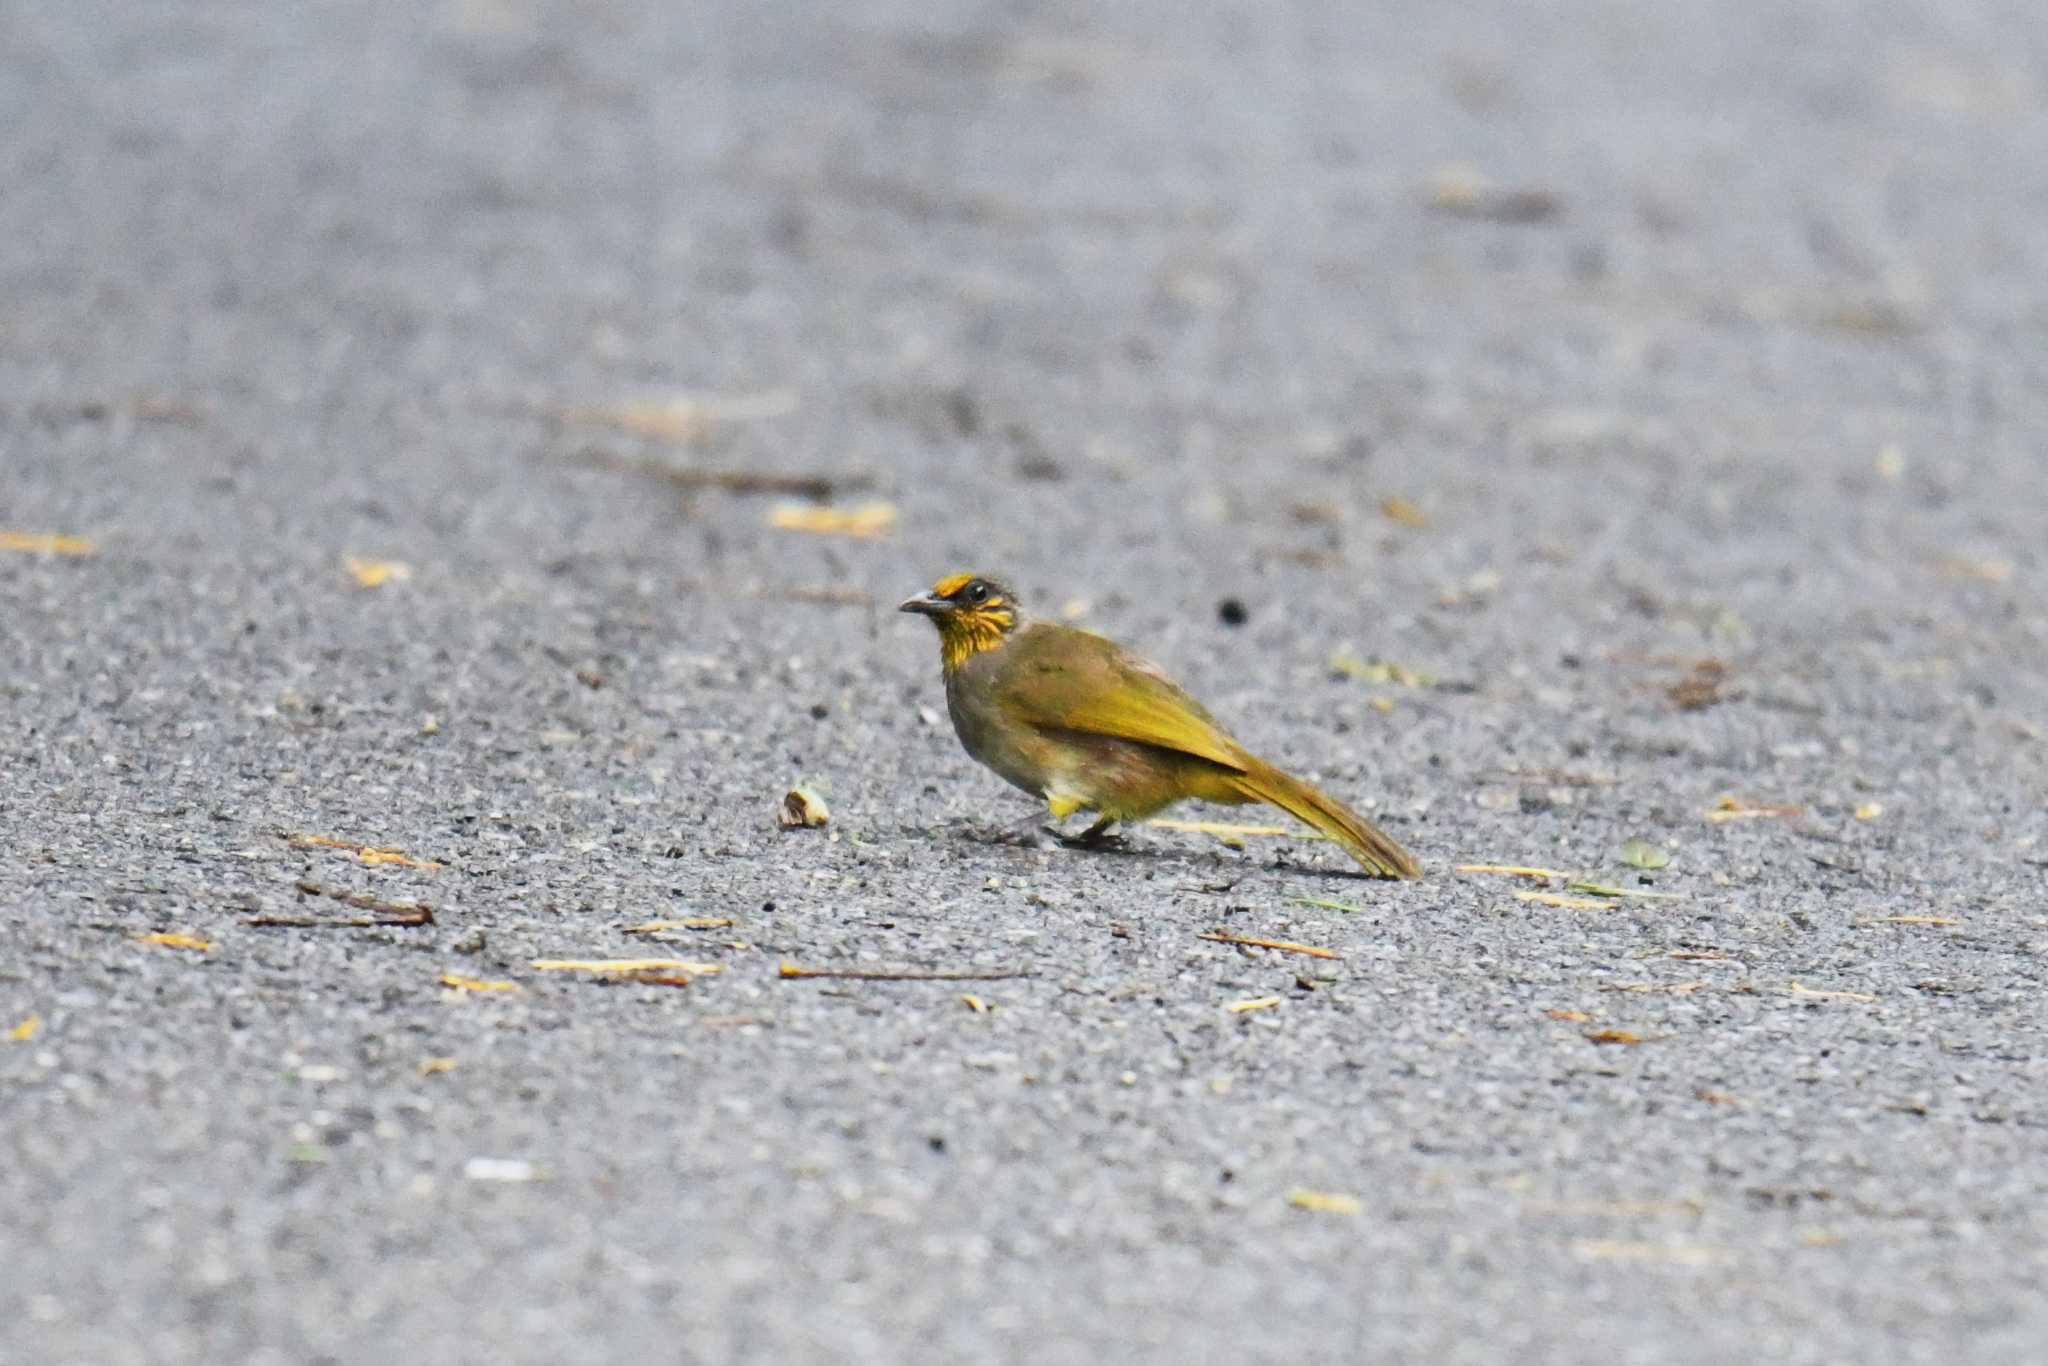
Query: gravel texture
[1686, 332]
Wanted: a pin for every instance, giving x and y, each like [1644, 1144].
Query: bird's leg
[1026, 833]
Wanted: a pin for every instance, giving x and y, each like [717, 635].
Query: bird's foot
[1028, 833]
[1096, 836]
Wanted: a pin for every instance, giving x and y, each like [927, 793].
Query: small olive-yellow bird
[1079, 721]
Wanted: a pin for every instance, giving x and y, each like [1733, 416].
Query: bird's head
[973, 613]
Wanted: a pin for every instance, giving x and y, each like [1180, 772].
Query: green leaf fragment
[1325, 904]
[1642, 854]
[1602, 889]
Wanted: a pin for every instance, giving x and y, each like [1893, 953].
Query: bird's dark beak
[925, 605]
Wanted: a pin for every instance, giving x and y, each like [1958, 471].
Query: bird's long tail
[1261, 782]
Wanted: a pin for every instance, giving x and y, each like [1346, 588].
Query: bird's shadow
[1127, 847]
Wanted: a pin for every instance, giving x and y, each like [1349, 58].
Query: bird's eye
[977, 592]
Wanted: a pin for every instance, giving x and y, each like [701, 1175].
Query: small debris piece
[816, 486]
[1231, 612]
[1568, 903]
[1735, 809]
[26, 1030]
[1255, 1003]
[802, 809]
[1637, 853]
[1317, 512]
[1658, 988]
[1891, 463]
[1283, 945]
[1570, 1016]
[306, 1154]
[149, 408]
[687, 419]
[1718, 1097]
[1558, 777]
[461, 983]
[500, 1169]
[1701, 955]
[790, 971]
[357, 899]
[1325, 904]
[1879, 317]
[405, 919]
[369, 854]
[1040, 468]
[1683, 1254]
[974, 1003]
[1613, 1036]
[639, 969]
[1513, 870]
[1324, 1202]
[188, 942]
[377, 573]
[695, 922]
[45, 543]
[1614, 1209]
[392, 913]
[1985, 571]
[1869, 811]
[1621, 893]
[1701, 688]
[1403, 513]
[434, 1067]
[1905, 920]
[1375, 671]
[863, 522]
[1461, 192]
[1815, 994]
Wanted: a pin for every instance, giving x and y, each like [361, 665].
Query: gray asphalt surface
[1739, 353]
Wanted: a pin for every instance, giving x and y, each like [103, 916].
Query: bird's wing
[1061, 678]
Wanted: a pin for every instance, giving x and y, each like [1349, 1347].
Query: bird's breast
[1011, 747]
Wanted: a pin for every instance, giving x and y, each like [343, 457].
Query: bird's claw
[1029, 833]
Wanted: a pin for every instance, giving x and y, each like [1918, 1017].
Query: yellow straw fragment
[1569, 903]
[189, 942]
[863, 522]
[1324, 1202]
[45, 543]
[377, 573]
[459, 983]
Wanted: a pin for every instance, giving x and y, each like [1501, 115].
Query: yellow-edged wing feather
[1062, 678]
